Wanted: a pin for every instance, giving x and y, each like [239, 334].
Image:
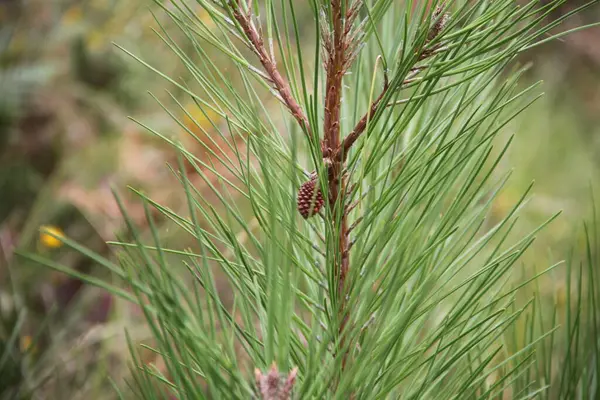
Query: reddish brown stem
[335, 73]
[342, 151]
[279, 83]
[336, 65]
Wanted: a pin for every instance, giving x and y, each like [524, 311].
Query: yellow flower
[25, 343]
[73, 16]
[206, 18]
[505, 201]
[95, 40]
[199, 119]
[49, 240]
[204, 117]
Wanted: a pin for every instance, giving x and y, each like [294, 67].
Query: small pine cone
[309, 202]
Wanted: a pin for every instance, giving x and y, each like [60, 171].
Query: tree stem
[336, 66]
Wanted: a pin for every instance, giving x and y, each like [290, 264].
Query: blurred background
[66, 93]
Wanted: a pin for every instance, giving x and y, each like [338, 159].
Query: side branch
[342, 152]
[268, 62]
[440, 20]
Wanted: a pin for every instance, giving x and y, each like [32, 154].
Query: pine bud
[274, 385]
[441, 20]
[309, 202]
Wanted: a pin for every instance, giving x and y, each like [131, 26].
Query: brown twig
[440, 21]
[342, 151]
[335, 71]
[355, 224]
[339, 49]
[268, 62]
[352, 206]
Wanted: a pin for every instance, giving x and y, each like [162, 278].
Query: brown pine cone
[309, 202]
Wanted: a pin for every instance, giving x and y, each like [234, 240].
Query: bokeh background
[66, 95]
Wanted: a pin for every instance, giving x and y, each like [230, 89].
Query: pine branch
[268, 62]
[337, 62]
[440, 21]
[342, 151]
[335, 71]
